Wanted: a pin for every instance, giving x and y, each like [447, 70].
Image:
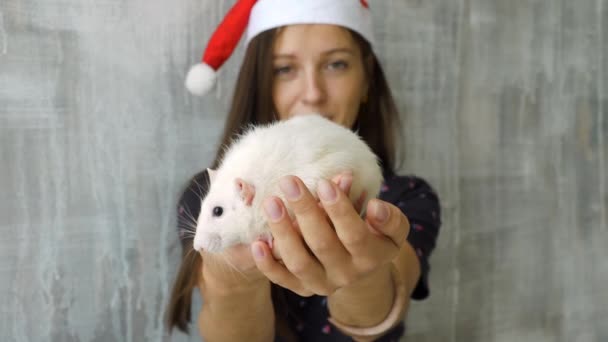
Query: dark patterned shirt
[307, 316]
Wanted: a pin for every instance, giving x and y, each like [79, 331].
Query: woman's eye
[282, 70]
[337, 65]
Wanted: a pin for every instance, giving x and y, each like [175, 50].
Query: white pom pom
[200, 79]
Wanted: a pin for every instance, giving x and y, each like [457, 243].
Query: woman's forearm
[237, 314]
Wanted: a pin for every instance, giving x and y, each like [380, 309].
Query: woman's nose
[314, 88]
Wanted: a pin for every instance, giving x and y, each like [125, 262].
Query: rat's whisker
[184, 234]
[188, 231]
[200, 188]
[187, 223]
[232, 266]
[185, 227]
[192, 250]
[189, 215]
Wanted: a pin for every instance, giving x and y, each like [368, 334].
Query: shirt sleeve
[420, 204]
[189, 205]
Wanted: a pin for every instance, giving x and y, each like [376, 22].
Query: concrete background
[507, 115]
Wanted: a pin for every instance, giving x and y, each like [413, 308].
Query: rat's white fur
[308, 146]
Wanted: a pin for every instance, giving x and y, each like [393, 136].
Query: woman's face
[318, 68]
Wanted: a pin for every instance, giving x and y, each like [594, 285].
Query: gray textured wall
[508, 115]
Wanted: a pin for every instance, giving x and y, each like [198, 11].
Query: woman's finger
[366, 250]
[388, 220]
[345, 182]
[360, 201]
[315, 228]
[274, 271]
[349, 226]
[295, 253]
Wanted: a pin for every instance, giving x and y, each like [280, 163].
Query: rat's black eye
[218, 211]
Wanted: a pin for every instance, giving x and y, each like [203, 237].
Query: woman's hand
[232, 269]
[237, 302]
[331, 246]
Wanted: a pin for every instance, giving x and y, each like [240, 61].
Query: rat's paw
[266, 237]
[269, 240]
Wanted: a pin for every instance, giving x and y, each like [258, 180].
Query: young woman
[337, 276]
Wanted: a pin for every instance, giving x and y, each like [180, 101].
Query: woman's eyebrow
[283, 55]
[336, 50]
[324, 53]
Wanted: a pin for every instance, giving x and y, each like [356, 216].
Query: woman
[338, 276]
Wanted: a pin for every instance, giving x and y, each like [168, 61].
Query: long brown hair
[377, 123]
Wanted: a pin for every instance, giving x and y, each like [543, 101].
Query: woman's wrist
[366, 301]
[364, 329]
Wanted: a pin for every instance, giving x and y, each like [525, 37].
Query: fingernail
[326, 192]
[273, 210]
[257, 251]
[289, 188]
[380, 211]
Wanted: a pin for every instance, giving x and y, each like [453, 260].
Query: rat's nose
[212, 242]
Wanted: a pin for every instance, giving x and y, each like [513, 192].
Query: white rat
[307, 146]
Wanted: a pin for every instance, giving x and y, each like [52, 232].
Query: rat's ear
[211, 174]
[245, 190]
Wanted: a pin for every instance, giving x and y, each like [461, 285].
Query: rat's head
[225, 215]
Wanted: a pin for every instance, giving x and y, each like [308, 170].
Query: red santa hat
[257, 16]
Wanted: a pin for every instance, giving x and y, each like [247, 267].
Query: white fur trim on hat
[269, 14]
